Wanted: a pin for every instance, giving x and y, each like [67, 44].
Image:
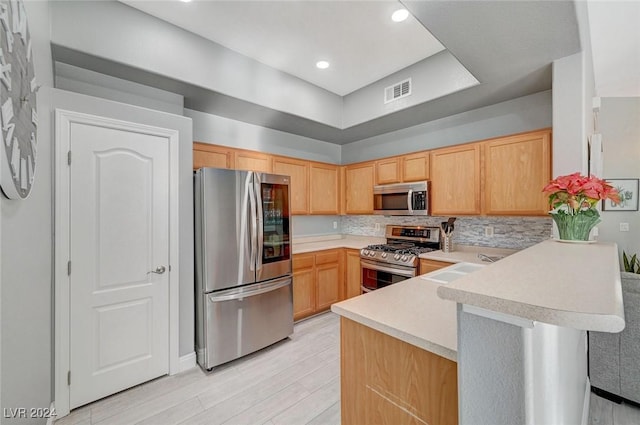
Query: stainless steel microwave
[401, 199]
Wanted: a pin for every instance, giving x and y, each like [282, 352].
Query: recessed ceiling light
[322, 64]
[185, 1]
[400, 15]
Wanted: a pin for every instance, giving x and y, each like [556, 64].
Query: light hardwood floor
[294, 382]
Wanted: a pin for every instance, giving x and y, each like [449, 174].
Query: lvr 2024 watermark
[28, 412]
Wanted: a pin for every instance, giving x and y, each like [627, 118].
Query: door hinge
[69, 268]
[69, 158]
[69, 377]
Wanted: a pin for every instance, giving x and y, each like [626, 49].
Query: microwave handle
[410, 201]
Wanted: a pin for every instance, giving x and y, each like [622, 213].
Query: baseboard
[186, 362]
[52, 408]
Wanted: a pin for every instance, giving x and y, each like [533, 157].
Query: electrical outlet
[624, 227]
[335, 224]
[488, 231]
[377, 227]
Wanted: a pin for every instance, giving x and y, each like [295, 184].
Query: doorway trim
[62, 226]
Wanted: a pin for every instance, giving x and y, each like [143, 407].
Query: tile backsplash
[508, 232]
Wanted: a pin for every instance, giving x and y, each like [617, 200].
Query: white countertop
[410, 311]
[467, 254]
[564, 284]
[319, 243]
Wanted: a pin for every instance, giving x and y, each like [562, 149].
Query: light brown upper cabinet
[359, 182]
[206, 155]
[455, 180]
[388, 170]
[299, 172]
[324, 189]
[516, 169]
[252, 160]
[415, 167]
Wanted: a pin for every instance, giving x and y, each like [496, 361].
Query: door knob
[158, 270]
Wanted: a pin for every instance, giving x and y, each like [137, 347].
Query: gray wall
[105, 108]
[619, 121]
[25, 258]
[523, 114]
[79, 80]
[316, 225]
[431, 78]
[88, 26]
[218, 130]
[491, 380]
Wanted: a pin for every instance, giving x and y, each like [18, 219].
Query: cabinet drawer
[302, 261]
[327, 257]
[427, 266]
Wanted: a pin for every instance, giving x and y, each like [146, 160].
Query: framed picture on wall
[628, 190]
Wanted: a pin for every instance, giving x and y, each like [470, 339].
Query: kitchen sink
[451, 273]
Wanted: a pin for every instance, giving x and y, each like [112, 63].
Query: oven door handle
[401, 272]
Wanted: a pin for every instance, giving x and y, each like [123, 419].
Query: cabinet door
[352, 274]
[252, 161]
[304, 288]
[328, 278]
[205, 155]
[516, 170]
[455, 180]
[328, 285]
[299, 173]
[324, 190]
[359, 189]
[427, 265]
[415, 167]
[388, 171]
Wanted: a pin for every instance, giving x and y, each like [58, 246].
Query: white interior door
[119, 238]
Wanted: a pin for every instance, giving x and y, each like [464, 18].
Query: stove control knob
[383, 255]
[405, 258]
[365, 252]
[372, 253]
[396, 257]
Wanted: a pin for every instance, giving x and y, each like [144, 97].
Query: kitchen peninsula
[519, 340]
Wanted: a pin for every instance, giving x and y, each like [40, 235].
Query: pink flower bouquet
[573, 199]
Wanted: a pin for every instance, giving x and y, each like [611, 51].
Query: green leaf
[625, 262]
[633, 262]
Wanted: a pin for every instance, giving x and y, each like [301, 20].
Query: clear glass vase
[576, 227]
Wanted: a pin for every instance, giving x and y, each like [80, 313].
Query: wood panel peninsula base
[387, 381]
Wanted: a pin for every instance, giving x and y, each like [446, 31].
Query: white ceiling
[615, 42]
[358, 38]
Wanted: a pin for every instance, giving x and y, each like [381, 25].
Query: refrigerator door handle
[258, 185]
[236, 294]
[253, 229]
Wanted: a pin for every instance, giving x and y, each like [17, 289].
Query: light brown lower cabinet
[317, 282]
[427, 265]
[388, 381]
[352, 274]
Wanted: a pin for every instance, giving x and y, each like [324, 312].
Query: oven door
[376, 275]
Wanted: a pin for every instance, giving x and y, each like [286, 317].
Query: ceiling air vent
[397, 91]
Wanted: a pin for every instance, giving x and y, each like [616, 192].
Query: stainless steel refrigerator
[244, 298]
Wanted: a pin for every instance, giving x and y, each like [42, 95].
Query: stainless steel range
[397, 260]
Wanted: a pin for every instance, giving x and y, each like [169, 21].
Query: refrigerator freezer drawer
[243, 320]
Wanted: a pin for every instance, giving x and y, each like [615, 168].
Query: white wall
[619, 123]
[25, 257]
